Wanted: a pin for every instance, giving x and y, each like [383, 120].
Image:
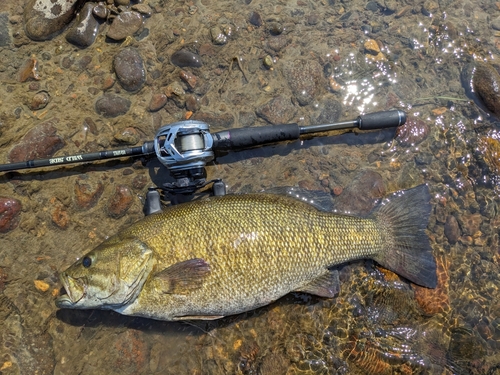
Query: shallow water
[378, 324]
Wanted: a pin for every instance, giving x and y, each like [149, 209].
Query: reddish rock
[189, 78]
[120, 202]
[139, 182]
[60, 217]
[87, 192]
[10, 209]
[412, 132]
[40, 142]
[29, 71]
[157, 102]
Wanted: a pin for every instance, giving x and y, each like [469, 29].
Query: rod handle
[381, 120]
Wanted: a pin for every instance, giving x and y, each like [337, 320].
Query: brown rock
[120, 202]
[60, 217]
[125, 24]
[40, 142]
[29, 71]
[139, 182]
[157, 102]
[10, 209]
[484, 82]
[39, 100]
[189, 78]
[129, 69]
[128, 136]
[87, 192]
[305, 79]
[470, 223]
[223, 120]
[452, 230]
[412, 132]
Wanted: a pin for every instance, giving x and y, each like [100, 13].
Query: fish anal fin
[198, 317]
[326, 285]
[182, 277]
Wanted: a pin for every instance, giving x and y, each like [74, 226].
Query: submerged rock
[111, 105]
[10, 209]
[84, 31]
[40, 142]
[304, 78]
[129, 69]
[412, 132]
[185, 58]
[120, 202]
[87, 192]
[43, 19]
[278, 110]
[125, 24]
[482, 83]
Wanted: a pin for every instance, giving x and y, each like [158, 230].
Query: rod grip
[381, 120]
[254, 136]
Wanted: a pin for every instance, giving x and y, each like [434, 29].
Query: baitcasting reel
[185, 147]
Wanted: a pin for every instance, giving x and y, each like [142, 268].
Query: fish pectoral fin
[198, 317]
[182, 277]
[326, 285]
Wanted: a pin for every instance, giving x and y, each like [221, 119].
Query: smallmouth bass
[226, 255]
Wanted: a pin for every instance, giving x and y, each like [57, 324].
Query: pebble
[100, 10]
[89, 124]
[129, 69]
[41, 285]
[43, 19]
[111, 105]
[451, 229]
[10, 210]
[157, 102]
[185, 58]
[125, 24]
[485, 83]
[143, 9]
[189, 78]
[29, 71]
[218, 37]
[255, 19]
[139, 182]
[39, 100]
[87, 192]
[413, 132]
[83, 31]
[192, 103]
[305, 79]
[279, 110]
[360, 196]
[60, 217]
[120, 202]
[470, 223]
[40, 142]
[495, 24]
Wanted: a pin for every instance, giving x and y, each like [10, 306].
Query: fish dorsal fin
[184, 276]
[326, 285]
[317, 198]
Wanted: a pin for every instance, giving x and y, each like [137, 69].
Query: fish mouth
[76, 289]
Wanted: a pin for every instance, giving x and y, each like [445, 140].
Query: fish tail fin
[403, 221]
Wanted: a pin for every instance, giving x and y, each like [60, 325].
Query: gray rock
[495, 24]
[278, 110]
[43, 19]
[4, 30]
[125, 24]
[330, 110]
[304, 78]
[111, 105]
[129, 69]
[84, 31]
[184, 58]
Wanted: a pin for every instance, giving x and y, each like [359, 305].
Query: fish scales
[225, 255]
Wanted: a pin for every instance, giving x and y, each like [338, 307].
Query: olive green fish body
[225, 255]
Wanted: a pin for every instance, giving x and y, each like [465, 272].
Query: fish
[221, 256]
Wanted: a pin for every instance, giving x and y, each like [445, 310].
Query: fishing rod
[185, 147]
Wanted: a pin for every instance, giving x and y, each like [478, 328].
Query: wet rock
[255, 19]
[10, 210]
[223, 120]
[40, 142]
[139, 182]
[278, 110]
[129, 69]
[218, 37]
[189, 78]
[39, 100]
[329, 111]
[184, 58]
[125, 24]
[100, 11]
[60, 217]
[4, 30]
[452, 230]
[412, 132]
[305, 79]
[485, 83]
[495, 24]
[192, 103]
[470, 224]
[84, 30]
[120, 202]
[128, 136]
[43, 19]
[144, 9]
[360, 196]
[157, 102]
[111, 105]
[87, 192]
[489, 148]
[277, 43]
[89, 124]
[29, 71]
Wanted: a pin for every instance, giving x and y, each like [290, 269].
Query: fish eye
[86, 262]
